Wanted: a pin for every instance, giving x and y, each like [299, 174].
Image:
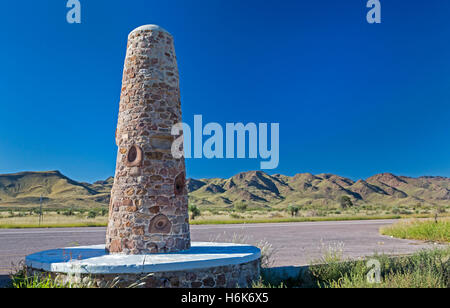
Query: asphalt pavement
[294, 244]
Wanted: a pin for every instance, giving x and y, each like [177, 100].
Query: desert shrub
[195, 211]
[235, 216]
[69, 212]
[293, 210]
[92, 214]
[438, 211]
[396, 210]
[346, 202]
[240, 206]
[214, 212]
[405, 212]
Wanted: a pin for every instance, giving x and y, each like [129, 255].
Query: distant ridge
[25, 188]
[260, 189]
[256, 188]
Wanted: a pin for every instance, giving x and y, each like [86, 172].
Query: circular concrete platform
[204, 265]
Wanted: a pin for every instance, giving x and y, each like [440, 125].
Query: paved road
[295, 243]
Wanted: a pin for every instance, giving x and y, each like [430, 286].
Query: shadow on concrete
[4, 281]
[285, 272]
[289, 277]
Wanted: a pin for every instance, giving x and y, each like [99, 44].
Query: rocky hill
[256, 188]
[260, 189]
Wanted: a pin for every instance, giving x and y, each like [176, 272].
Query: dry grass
[51, 220]
[55, 220]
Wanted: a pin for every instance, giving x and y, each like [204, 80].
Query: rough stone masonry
[149, 204]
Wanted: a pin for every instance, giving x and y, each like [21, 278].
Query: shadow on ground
[4, 281]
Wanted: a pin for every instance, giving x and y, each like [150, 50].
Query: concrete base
[204, 265]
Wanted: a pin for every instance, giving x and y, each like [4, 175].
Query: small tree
[437, 211]
[69, 212]
[293, 210]
[92, 214]
[240, 206]
[195, 211]
[346, 202]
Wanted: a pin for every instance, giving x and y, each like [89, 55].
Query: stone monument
[149, 203]
[148, 236]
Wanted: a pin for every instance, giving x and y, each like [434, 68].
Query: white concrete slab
[95, 260]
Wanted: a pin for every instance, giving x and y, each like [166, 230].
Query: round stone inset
[180, 183]
[134, 156]
[160, 224]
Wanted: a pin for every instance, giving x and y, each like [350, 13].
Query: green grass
[427, 230]
[426, 269]
[21, 281]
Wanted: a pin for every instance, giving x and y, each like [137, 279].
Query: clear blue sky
[351, 98]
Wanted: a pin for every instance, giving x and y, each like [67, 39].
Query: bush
[69, 212]
[293, 210]
[235, 216]
[240, 206]
[92, 214]
[437, 211]
[195, 211]
[346, 202]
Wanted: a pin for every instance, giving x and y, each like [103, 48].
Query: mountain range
[255, 188]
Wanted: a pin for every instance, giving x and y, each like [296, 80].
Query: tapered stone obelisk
[149, 203]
